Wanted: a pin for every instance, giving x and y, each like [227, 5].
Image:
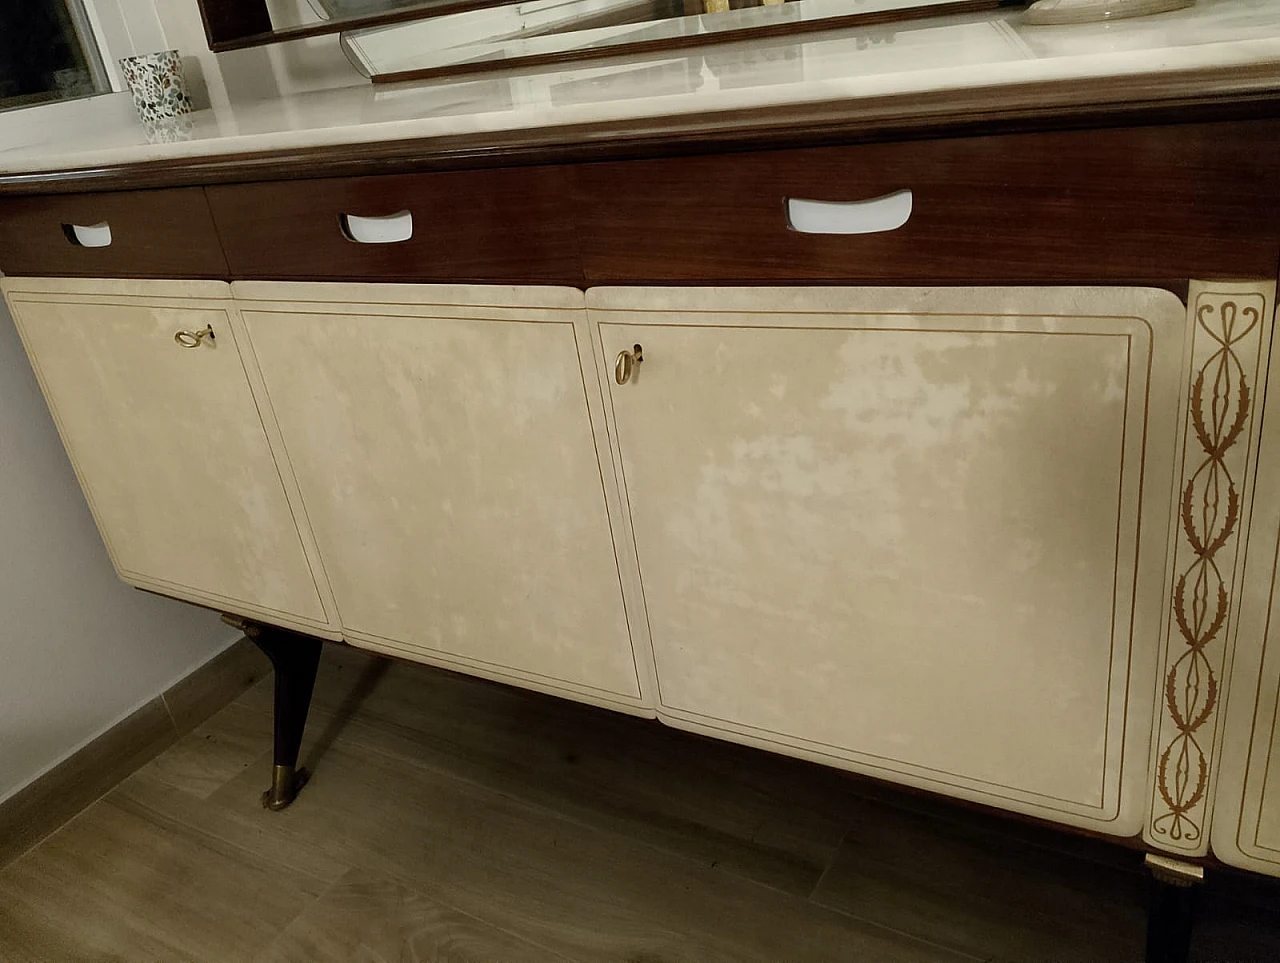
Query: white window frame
[101, 67]
[117, 27]
[93, 15]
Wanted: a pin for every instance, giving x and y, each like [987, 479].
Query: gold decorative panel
[1246, 798]
[1229, 336]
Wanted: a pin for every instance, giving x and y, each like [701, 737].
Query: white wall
[128, 27]
[79, 650]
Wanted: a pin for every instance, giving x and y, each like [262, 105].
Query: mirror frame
[237, 24]
[665, 45]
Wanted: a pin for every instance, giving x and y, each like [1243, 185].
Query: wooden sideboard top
[1219, 60]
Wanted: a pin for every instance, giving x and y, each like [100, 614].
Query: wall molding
[44, 805]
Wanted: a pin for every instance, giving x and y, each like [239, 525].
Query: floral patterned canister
[159, 89]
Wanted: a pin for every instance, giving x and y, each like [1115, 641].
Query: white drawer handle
[377, 230]
[95, 235]
[886, 213]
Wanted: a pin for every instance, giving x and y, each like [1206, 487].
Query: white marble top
[994, 53]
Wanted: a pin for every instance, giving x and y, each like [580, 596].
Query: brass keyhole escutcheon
[625, 366]
[193, 339]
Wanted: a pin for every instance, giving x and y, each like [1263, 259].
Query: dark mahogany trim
[1171, 912]
[295, 658]
[690, 41]
[1172, 98]
[228, 20]
[465, 230]
[1185, 200]
[159, 234]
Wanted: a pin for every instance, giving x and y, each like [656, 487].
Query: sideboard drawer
[495, 225]
[127, 234]
[1149, 203]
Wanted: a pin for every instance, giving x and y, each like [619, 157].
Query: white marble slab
[875, 66]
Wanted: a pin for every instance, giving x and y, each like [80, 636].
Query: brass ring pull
[625, 366]
[192, 339]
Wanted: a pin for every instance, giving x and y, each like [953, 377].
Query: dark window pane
[46, 53]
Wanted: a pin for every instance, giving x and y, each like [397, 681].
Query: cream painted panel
[443, 441]
[898, 530]
[1227, 357]
[168, 444]
[1246, 799]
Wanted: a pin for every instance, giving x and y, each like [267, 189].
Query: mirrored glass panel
[289, 17]
[544, 32]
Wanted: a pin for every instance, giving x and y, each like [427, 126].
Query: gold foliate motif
[1220, 409]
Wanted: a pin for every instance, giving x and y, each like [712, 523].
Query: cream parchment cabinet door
[916, 533]
[168, 443]
[449, 445]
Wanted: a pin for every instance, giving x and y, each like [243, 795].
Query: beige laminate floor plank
[235, 831]
[222, 749]
[60, 794]
[113, 885]
[212, 754]
[369, 918]
[588, 894]
[192, 700]
[454, 820]
[994, 894]
[744, 811]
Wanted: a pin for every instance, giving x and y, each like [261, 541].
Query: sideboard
[943, 458]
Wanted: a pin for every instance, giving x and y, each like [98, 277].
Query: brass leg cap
[1174, 872]
[286, 783]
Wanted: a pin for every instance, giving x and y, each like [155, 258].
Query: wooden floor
[452, 819]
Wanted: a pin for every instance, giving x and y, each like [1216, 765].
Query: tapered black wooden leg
[295, 658]
[1171, 912]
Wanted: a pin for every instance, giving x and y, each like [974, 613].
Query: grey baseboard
[39, 809]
